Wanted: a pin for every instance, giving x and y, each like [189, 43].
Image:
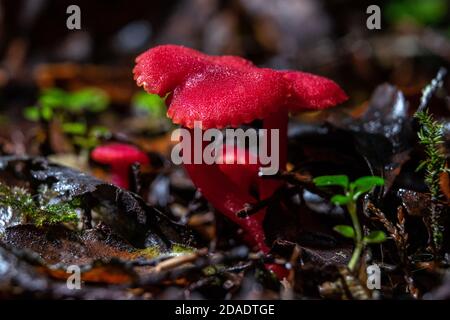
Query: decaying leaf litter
[64, 93]
[128, 245]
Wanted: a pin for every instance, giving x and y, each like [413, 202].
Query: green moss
[155, 251]
[214, 269]
[209, 271]
[181, 249]
[148, 253]
[36, 209]
[431, 136]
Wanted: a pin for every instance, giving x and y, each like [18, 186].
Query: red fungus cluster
[225, 91]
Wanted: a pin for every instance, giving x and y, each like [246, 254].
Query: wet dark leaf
[415, 203]
[124, 211]
[383, 134]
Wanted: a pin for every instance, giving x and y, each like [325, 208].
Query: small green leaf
[340, 199]
[375, 237]
[46, 112]
[344, 230]
[99, 131]
[421, 165]
[31, 113]
[75, 128]
[153, 104]
[337, 180]
[365, 184]
[86, 143]
[90, 99]
[53, 98]
[429, 12]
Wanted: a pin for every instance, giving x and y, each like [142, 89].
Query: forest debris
[125, 212]
[444, 183]
[112, 272]
[288, 284]
[431, 136]
[398, 233]
[383, 134]
[57, 244]
[115, 81]
[179, 260]
[415, 203]
[346, 287]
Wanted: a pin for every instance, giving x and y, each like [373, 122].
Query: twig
[179, 260]
[251, 209]
[287, 291]
[429, 90]
[400, 236]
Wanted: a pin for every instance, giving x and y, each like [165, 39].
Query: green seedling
[431, 136]
[72, 110]
[352, 192]
[152, 104]
[53, 101]
[83, 137]
[154, 108]
[426, 13]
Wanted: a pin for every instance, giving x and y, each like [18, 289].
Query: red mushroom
[120, 157]
[225, 91]
[240, 166]
[234, 163]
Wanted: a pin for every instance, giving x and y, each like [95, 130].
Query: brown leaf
[444, 183]
[107, 273]
[415, 203]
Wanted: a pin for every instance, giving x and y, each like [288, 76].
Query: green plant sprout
[352, 192]
[150, 110]
[54, 100]
[431, 136]
[37, 210]
[430, 12]
[84, 137]
[151, 104]
[71, 109]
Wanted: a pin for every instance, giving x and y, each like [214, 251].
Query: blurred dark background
[325, 37]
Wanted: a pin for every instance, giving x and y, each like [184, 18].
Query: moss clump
[155, 251]
[148, 253]
[181, 249]
[431, 136]
[36, 210]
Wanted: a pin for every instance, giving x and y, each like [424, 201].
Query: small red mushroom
[240, 166]
[119, 157]
[225, 91]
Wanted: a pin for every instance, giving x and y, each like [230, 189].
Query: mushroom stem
[223, 194]
[277, 121]
[120, 175]
[267, 187]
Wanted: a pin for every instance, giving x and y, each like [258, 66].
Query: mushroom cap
[225, 91]
[119, 154]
